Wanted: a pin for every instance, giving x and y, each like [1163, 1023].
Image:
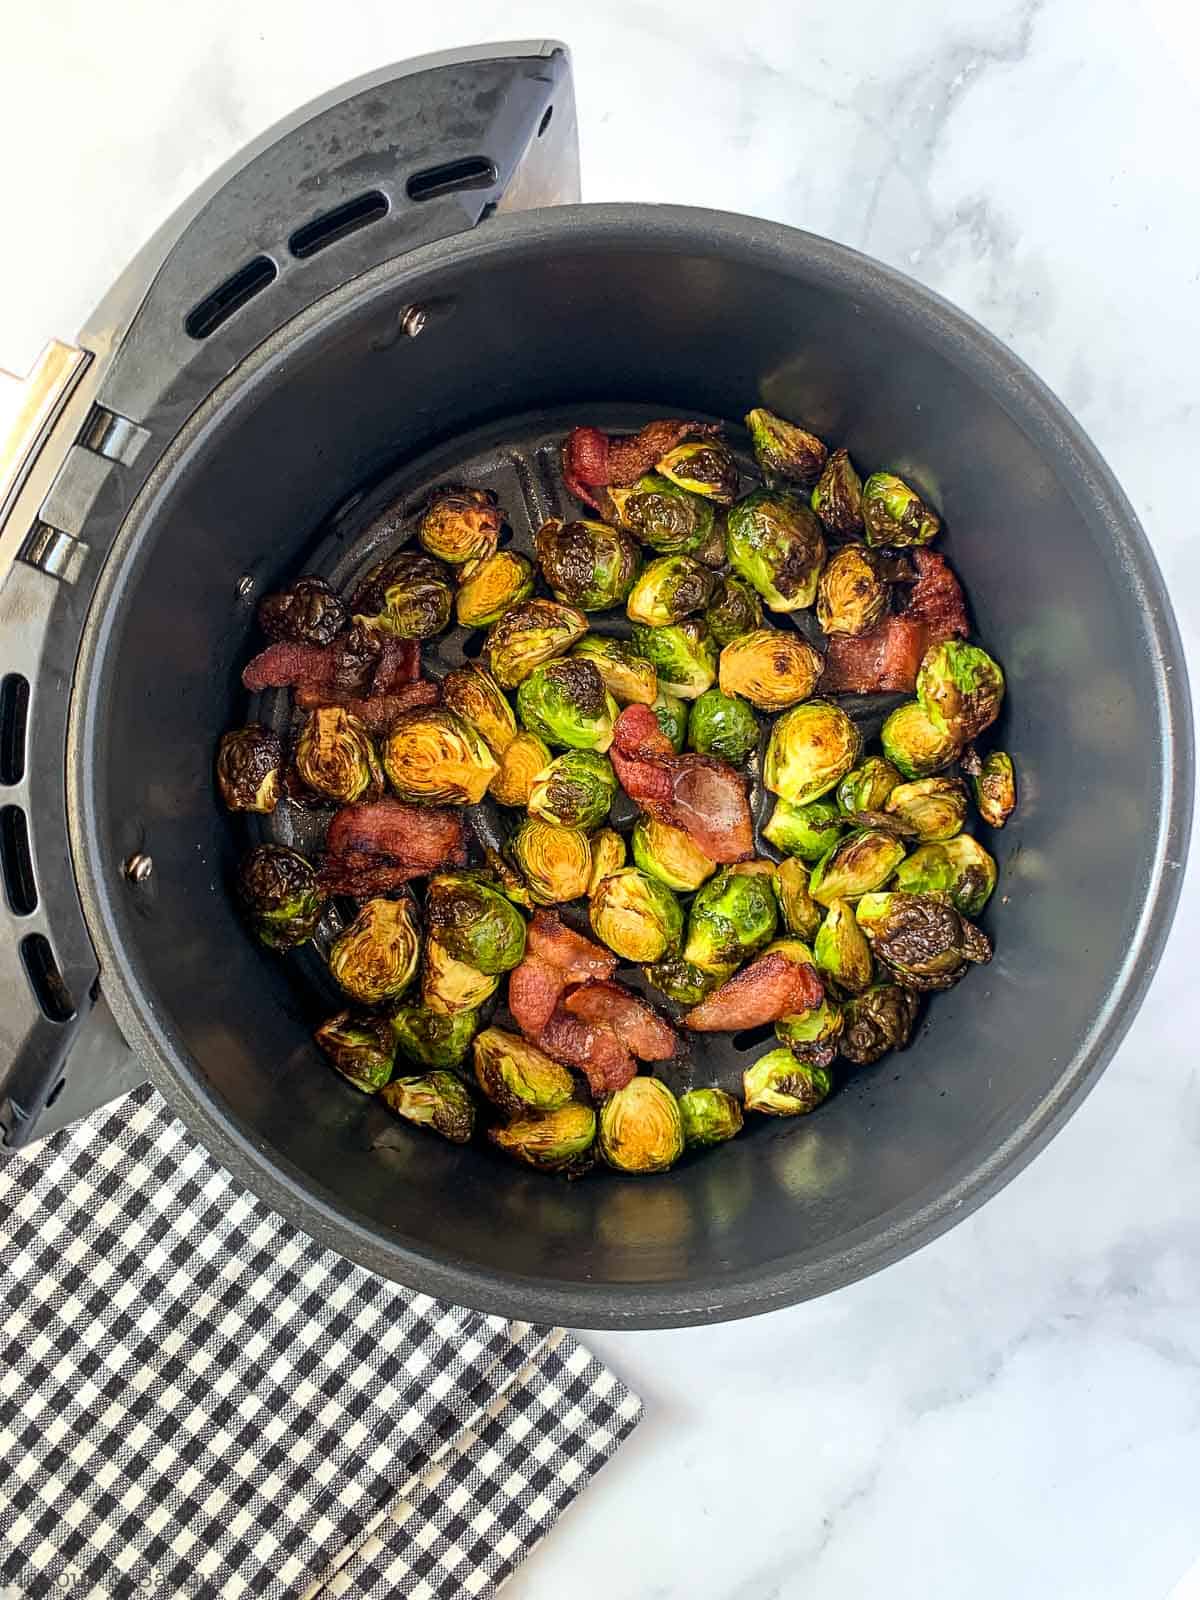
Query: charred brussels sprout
[800, 913]
[770, 668]
[959, 867]
[628, 677]
[336, 756]
[704, 467]
[895, 514]
[710, 1116]
[734, 609]
[913, 745]
[662, 516]
[566, 704]
[776, 544]
[811, 749]
[430, 1038]
[732, 917]
[587, 564]
[520, 765]
[518, 1077]
[362, 1049]
[669, 589]
[994, 785]
[637, 917]
[841, 951]
[249, 761]
[811, 1035]
[682, 654]
[670, 855]
[960, 689]
[450, 987]
[280, 894]
[805, 831]
[528, 635]
[722, 726]
[556, 863]
[474, 922]
[439, 1101]
[837, 497]
[781, 1085]
[554, 1141]
[853, 594]
[641, 1129]
[608, 855]
[575, 790]
[934, 808]
[712, 551]
[461, 525]
[876, 1022]
[491, 587]
[307, 611]
[861, 862]
[683, 981]
[783, 449]
[432, 757]
[474, 695]
[671, 714]
[408, 596]
[921, 937]
[376, 957]
[868, 786]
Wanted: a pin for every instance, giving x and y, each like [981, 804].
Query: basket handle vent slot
[230, 296]
[472, 172]
[337, 224]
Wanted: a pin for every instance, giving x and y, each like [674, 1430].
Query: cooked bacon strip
[888, 657]
[937, 598]
[593, 1048]
[593, 460]
[533, 991]
[642, 1029]
[378, 715]
[383, 843]
[399, 664]
[576, 957]
[280, 666]
[340, 671]
[703, 796]
[769, 988]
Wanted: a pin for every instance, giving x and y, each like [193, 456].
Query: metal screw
[245, 585]
[139, 867]
[412, 321]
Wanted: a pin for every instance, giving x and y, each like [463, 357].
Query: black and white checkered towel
[199, 1403]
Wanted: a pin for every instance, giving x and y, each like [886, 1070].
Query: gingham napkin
[199, 1403]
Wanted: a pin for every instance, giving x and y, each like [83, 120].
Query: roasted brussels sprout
[554, 1141]
[307, 611]
[249, 762]
[722, 726]
[362, 1049]
[641, 1129]
[587, 564]
[770, 668]
[800, 913]
[608, 855]
[732, 917]
[376, 957]
[439, 1101]
[636, 916]
[683, 981]
[806, 831]
[520, 764]
[474, 695]
[662, 516]
[408, 596]
[491, 587]
[669, 589]
[575, 790]
[507, 879]
[449, 986]
[682, 654]
[712, 552]
[934, 808]
[867, 787]
[960, 689]
[852, 595]
[335, 756]
[858, 864]
[556, 863]
[959, 867]
[474, 922]
[279, 891]
[895, 514]
[734, 609]
[876, 1022]
[811, 1035]
[841, 951]
[921, 937]
[994, 785]
[776, 543]
[628, 677]
[528, 635]
[461, 525]
[671, 714]
[783, 449]
[913, 745]
[433, 757]
[431, 1038]
[781, 1085]
[566, 704]
[702, 466]
[518, 1077]
[811, 749]
[710, 1116]
[670, 855]
[837, 497]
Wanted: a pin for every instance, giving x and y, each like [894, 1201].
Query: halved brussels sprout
[491, 587]
[921, 937]
[841, 950]
[710, 1116]
[249, 762]
[376, 957]
[895, 514]
[853, 594]
[636, 916]
[994, 785]
[770, 668]
[867, 787]
[781, 1085]
[783, 449]
[408, 595]
[461, 525]
[556, 863]
[809, 1033]
[703, 466]
[566, 704]
[362, 1049]
[712, 551]
[433, 757]
[959, 867]
[474, 695]
[662, 516]
[528, 635]
[683, 655]
[520, 765]
[858, 864]
[960, 689]
[335, 755]
[641, 1129]
[439, 1101]
[507, 879]
[431, 1038]
[474, 922]
[307, 611]
[876, 1022]
[683, 981]
[587, 564]
[449, 986]
[811, 749]
[628, 677]
[668, 589]
[837, 497]
[608, 855]
[735, 609]
[671, 714]
[279, 891]
[913, 745]
[800, 912]
[732, 917]
[554, 1141]
[723, 726]
[574, 791]
[806, 831]
[776, 543]
[670, 855]
[934, 808]
[518, 1077]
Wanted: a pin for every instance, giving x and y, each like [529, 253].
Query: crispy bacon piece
[888, 656]
[936, 598]
[769, 988]
[576, 957]
[593, 460]
[642, 1029]
[533, 991]
[703, 796]
[399, 664]
[287, 664]
[340, 671]
[378, 715]
[381, 844]
[592, 1047]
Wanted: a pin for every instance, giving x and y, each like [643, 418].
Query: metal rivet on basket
[412, 321]
[139, 867]
[245, 585]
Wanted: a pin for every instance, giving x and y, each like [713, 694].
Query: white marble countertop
[1015, 1411]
